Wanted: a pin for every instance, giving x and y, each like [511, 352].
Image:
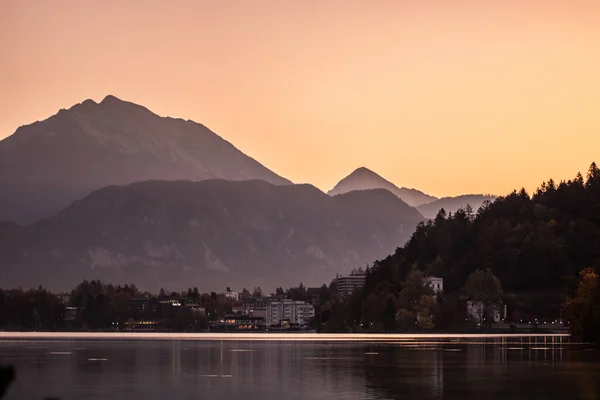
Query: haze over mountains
[214, 233]
[452, 204]
[47, 165]
[116, 192]
[364, 179]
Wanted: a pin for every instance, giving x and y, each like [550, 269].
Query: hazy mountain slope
[47, 165]
[209, 234]
[451, 204]
[363, 179]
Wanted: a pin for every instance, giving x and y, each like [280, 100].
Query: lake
[299, 366]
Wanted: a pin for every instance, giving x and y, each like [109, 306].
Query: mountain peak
[111, 99]
[363, 178]
[115, 142]
[113, 103]
[363, 171]
[89, 102]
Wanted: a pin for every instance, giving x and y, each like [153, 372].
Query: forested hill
[531, 243]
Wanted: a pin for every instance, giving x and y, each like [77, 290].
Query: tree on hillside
[427, 311]
[183, 320]
[593, 175]
[583, 311]
[244, 294]
[297, 293]
[389, 315]
[413, 288]
[484, 290]
[534, 244]
[417, 298]
[257, 292]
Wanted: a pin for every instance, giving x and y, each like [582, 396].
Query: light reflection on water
[300, 367]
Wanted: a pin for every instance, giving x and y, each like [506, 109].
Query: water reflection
[496, 369]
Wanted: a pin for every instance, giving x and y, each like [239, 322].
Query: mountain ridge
[215, 232]
[92, 145]
[363, 178]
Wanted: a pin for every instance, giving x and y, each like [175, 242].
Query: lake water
[304, 366]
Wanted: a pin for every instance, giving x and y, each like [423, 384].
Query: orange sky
[449, 96]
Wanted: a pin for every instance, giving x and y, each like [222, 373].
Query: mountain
[210, 234]
[363, 179]
[452, 204]
[47, 165]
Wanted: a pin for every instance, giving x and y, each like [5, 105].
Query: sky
[447, 96]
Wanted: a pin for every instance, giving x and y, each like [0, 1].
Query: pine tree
[593, 176]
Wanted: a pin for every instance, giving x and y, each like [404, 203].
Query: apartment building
[346, 285]
[294, 312]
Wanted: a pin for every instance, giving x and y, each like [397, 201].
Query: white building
[476, 309]
[229, 294]
[348, 284]
[437, 284]
[296, 312]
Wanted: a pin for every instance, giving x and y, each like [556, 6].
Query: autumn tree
[485, 291]
[413, 289]
[583, 311]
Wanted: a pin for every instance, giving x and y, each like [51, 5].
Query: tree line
[527, 250]
[534, 247]
[102, 306]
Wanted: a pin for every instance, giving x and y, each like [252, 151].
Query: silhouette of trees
[389, 315]
[534, 244]
[298, 293]
[257, 292]
[583, 310]
[35, 309]
[484, 289]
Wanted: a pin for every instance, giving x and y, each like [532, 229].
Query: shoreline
[298, 337]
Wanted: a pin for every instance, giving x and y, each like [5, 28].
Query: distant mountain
[49, 164]
[452, 204]
[363, 179]
[209, 234]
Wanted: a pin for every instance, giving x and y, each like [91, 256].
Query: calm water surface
[271, 369]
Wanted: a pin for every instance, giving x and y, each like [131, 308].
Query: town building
[143, 307]
[168, 307]
[476, 311]
[256, 306]
[197, 309]
[243, 323]
[292, 312]
[153, 325]
[238, 310]
[139, 305]
[437, 284]
[230, 294]
[73, 316]
[346, 285]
